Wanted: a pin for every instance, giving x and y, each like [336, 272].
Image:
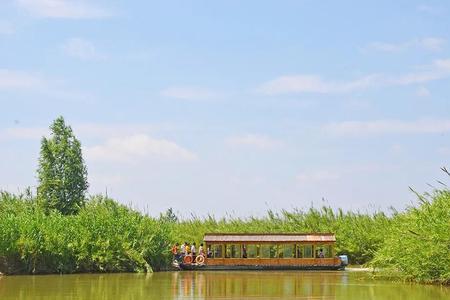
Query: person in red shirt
[175, 253]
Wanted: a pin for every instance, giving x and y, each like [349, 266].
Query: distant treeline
[105, 236]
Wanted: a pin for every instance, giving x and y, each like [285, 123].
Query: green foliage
[418, 245]
[169, 216]
[358, 235]
[62, 173]
[103, 237]
[106, 236]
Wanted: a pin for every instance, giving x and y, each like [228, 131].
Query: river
[214, 285]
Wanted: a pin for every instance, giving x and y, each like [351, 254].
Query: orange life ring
[200, 259]
[187, 259]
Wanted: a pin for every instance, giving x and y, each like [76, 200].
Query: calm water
[214, 285]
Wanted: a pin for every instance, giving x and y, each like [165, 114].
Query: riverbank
[358, 269]
[106, 236]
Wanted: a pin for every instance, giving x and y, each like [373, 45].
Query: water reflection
[235, 285]
[214, 285]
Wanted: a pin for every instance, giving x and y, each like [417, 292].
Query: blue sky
[232, 106]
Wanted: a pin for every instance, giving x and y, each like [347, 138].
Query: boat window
[305, 250]
[326, 249]
[252, 251]
[233, 251]
[286, 251]
[217, 250]
[268, 251]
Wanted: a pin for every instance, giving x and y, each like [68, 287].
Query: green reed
[417, 247]
[106, 236]
[103, 237]
[358, 235]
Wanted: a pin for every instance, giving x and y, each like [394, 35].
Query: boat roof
[269, 237]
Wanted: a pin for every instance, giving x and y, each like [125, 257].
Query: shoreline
[352, 269]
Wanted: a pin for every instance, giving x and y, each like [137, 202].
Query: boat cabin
[271, 251]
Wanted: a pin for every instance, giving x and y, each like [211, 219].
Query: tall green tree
[62, 172]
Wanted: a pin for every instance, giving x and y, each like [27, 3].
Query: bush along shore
[417, 246]
[105, 236]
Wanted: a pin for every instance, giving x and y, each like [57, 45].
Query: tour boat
[269, 251]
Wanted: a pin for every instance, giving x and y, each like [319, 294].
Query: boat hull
[194, 267]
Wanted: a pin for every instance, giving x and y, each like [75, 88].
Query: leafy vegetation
[108, 237]
[62, 173]
[418, 245]
[359, 235]
[103, 237]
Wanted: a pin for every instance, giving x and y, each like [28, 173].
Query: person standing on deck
[175, 253]
[187, 249]
[183, 249]
[200, 250]
[193, 251]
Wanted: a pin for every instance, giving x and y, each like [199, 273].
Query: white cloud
[70, 9]
[12, 79]
[423, 92]
[317, 177]
[335, 173]
[427, 43]
[386, 47]
[32, 82]
[90, 132]
[294, 84]
[432, 43]
[365, 128]
[6, 28]
[82, 49]
[136, 148]
[23, 133]
[315, 84]
[429, 9]
[99, 130]
[397, 149]
[188, 93]
[444, 150]
[253, 141]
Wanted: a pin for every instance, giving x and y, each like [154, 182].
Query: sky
[232, 107]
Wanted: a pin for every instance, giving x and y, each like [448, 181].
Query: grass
[359, 235]
[106, 236]
[417, 247]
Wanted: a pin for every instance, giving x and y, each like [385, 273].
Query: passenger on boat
[200, 250]
[183, 249]
[175, 253]
[321, 254]
[193, 251]
[244, 252]
[188, 249]
[208, 252]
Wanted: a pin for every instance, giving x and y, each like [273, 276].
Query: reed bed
[359, 235]
[106, 236]
[417, 247]
[103, 237]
